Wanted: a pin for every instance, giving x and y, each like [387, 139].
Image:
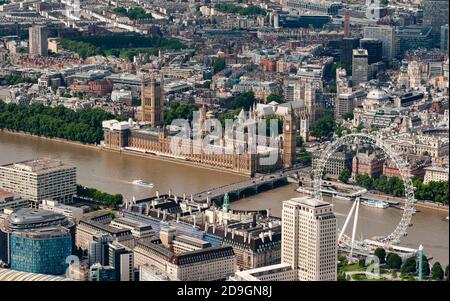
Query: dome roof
[377, 94]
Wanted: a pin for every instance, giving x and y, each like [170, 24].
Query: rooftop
[38, 166]
[43, 233]
[308, 201]
[12, 275]
[33, 216]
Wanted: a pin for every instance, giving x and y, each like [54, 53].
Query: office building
[368, 163]
[374, 49]
[337, 162]
[40, 179]
[360, 66]
[309, 239]
[255, 236]
[138, 230]
[435, 174]
[151, 273]
[317, 6]
[29, 221]
[309, 245]
[42, 250]
[121, 259]
[38, 44]
[72, 213]
[207, 264]
[444, 38]
[435, 14]
[374, 10]
[102, 273]
[385, 34]
[347, 101]
[412, 37]
[98, 251]
[90, 226]
[347, 47]
[11, 200]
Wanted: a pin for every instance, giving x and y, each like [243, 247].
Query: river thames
[114, 173]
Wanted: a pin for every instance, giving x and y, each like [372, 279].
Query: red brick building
[416, 169]
[98, 88]
[369, 164]
[268, 65]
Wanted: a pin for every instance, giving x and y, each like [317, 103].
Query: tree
[341, 129]
[437, 273]
[177, 110]
[446, 272]
[348, 115]
[381, 254]
[299, 141]
[348, 68]
[344, 175]
[243, 101]
[361, 263]
[219, 65]
[83, 125]
[207, 84]
[364, 180]
[323, 126]
[341, 276]
[14, 79]
[275, 97]
[394, 261]
[235, 9]
[409, 267]
[304, 156]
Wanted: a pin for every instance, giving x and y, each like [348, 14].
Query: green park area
[55, 122]
[123, 45]
[250, 10]
[391, 267]
[133, 13]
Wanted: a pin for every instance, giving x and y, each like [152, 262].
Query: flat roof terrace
[38, 166]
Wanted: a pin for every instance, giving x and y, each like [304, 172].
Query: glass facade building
[435, 14]
[412, 37]
[42, 251]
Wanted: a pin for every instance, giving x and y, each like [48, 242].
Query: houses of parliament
[151, 136]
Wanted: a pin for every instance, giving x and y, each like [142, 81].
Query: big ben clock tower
[289, 131]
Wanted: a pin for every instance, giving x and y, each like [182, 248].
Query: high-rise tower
[309, 241]
[360, 66]
[435, 14]
[38, 44]
[152, 102]
[289, 131]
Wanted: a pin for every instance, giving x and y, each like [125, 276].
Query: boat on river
[142, 183]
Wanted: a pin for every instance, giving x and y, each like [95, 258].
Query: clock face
[287, 127]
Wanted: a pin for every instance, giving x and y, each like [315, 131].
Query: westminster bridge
[253, 185]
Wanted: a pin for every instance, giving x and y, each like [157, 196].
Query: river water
[114, 173]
